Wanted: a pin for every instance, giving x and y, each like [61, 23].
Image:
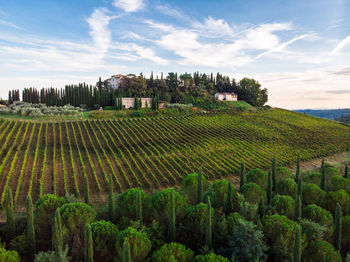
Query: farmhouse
[226, 96]
[129, 102]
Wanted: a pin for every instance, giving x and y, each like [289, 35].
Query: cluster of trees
[275, 216]
[13, 96]
[197, 89]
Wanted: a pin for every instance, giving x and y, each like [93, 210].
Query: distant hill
[344, 119]
[326, 113]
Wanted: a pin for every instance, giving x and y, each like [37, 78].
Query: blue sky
[299, 50]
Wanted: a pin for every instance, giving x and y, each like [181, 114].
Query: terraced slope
[42, 157]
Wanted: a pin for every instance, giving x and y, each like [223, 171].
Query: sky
[299, 50]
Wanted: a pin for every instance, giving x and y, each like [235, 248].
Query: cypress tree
[208, 225]
[30, 226]
[88, 245]
[126, 251]
[338, 227]
[242, 176]
[297, 208]
[10, 214]
[297, 246]
[86, 190]
[269, 188]
[273, 171]
[346, 171]
[299, 186]
[323, 175]
[111, 213]
[172, 219]
[57, 238]
[261, 209]
[297, 173]
[139, 207]
[229, 204]
[200, 187]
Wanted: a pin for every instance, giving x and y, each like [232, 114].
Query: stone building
[226, 96]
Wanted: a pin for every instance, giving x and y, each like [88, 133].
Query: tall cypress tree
[200, 187]
[86, 190]
[299, 186]
[297, 246]
[242, 176]
[208, 225]
[88, 244]
[126, 251]
[139, 206]
[111, 209]
[10, 214]
[229, 204]
[338, 227]
[346, 171]
[172, 219]
[273, 171]
[57, 238]
[297, 208]
[297, 173]
[323, 175]
[269, 188]
[30, 227]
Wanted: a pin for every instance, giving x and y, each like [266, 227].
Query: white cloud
[170, 11]
[214, 27]
[341, 45]
[129, 6]
[9, 24]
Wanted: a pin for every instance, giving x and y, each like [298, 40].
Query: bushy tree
[322, 251]
[286, 186]
[253, 193]
[318, 215]
[312, 177]
[341, 197]
[211, 257]
[249, 90]
[189, 187]
[338, 182]
[283, 173]
[127, 204]
[284, 205]
[312, 194]
[257, 176]
[105, 235]
[172, 252]
[8, 256]
[314, 231]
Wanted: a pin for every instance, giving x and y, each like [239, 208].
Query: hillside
[44, 157]
[344, 118]
[325, 113]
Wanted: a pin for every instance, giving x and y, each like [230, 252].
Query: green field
[54, 157]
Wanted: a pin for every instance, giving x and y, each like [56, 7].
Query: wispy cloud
[339, 92]
[7, 23]
[166, 9]
[129, 6]
[341, 45]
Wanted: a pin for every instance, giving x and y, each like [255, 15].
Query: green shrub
[140, 245]
[104, 235]
[172, 252]
[232, 221]
[322, 251]
[332, 198]
[127, 203]
[283, 173]
[312, 194]
[318, 215]
[137, 113]
[284, 205]
[338, 182]
[287, 187]
[312, 177]
[8, 256]
[189, 187]
[211, 257]
[314, 231]
[52, 256]
[257, 176]
[345, 234]
[253, 193]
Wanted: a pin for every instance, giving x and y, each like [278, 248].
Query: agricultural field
[40, 157]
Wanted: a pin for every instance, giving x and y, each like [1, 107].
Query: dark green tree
[338, 227]
[86, 190]
[269, 188]
[323, 175]
[261, 209]
[208, 226]
[273, 171]
[30, 227]
[10, 214]
[242, 176]
[297, 246]
[297, 208]
[88, 244]
[57, 237]
[297, 173]
[139, 207]
[172, 219]
[200, 187]
[299, 186]
[111, 208]
[346, 171]
[229, 199]
[126, 251]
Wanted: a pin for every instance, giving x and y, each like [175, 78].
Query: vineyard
[57, 157]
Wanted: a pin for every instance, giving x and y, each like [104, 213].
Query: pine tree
[126, 251]
[346, 172]
[200, 187]
[297, 208]
[57, 238]
[208, 225]
[88, 245]
[269, 188]
[273, 171]
[297, 246]
[338, 227]
[111, 209]
[172, 219]
[139, 207]
[297, 173]
[86, 190]
[323, 175]
[242, 176]
[30, 227]
[10, 214]
[229, 204]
